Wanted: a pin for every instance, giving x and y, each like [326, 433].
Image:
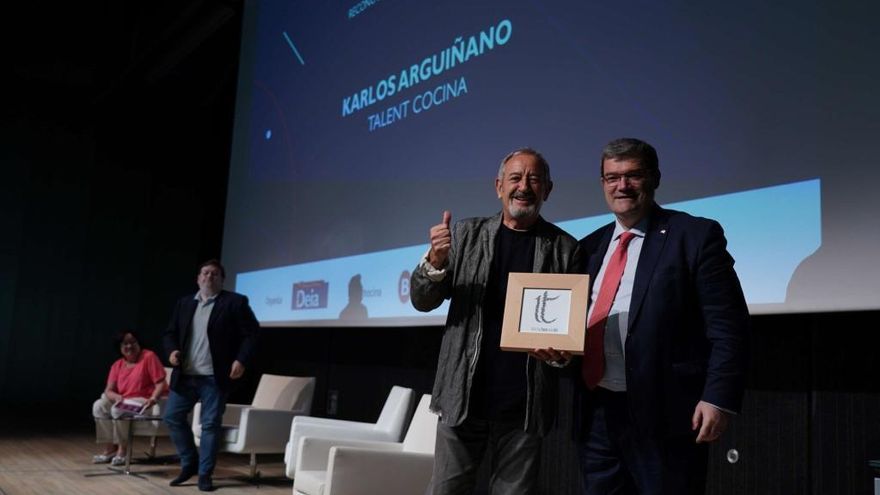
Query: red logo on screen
[403, 287]
[310, 295]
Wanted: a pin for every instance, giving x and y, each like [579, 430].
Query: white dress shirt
[618, 317]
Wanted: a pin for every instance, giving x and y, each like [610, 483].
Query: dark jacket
[688, 329]
[467, 272]
[232, 334]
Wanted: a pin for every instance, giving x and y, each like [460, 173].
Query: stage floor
[56, 460]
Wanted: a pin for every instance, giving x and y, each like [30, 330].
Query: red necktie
[594, 354]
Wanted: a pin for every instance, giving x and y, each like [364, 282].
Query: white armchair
[258, 428]
[355, 467]
[388, 428]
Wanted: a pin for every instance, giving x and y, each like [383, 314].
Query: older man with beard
[488, 399]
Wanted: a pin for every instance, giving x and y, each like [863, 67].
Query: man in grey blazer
[486, 398]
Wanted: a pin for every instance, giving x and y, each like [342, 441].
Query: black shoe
[205, 483]
[184, 475]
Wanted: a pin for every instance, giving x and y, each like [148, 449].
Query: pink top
[139, 380]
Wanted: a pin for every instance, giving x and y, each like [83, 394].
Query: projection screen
[358, 123]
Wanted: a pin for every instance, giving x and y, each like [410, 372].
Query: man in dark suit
[210, 340]
[665, 361]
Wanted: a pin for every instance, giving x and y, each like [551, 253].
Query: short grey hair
[545, 166]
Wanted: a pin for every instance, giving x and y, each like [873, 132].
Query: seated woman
[137, 378]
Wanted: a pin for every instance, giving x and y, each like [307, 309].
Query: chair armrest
[298, 431]
[233, 413]
[326, 430]
[290, 448]
[303, 411]
[312, 420]
[313, 452]
[355, 471]
[197, 419]
[231, 417]
[298, 422]
[261, 431]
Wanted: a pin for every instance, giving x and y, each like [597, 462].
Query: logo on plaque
[541, 307]
[545, 311]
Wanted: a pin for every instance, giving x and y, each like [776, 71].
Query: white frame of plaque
[557, 302]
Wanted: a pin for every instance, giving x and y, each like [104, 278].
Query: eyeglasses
[634, 178]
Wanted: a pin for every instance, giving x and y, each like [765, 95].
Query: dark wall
[114, 147]
[811, 417]
[355, 367]
[809, 422]
[114, 144]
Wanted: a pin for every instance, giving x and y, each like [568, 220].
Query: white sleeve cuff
[558, 364]
[728, 411]
[433, 274]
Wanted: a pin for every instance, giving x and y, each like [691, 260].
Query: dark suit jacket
[688, 324]
[232, 334]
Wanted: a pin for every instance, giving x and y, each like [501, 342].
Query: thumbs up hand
[441, 241]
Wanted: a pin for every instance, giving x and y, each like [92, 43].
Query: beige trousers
[107, 428]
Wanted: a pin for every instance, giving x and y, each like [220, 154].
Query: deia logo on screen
[310, 295]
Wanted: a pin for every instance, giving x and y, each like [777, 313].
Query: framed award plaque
[545, 310]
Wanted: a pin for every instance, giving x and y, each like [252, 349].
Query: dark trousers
[617, 460]
[192, 389]
[460, 449]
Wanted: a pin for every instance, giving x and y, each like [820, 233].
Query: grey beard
[524, 211]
